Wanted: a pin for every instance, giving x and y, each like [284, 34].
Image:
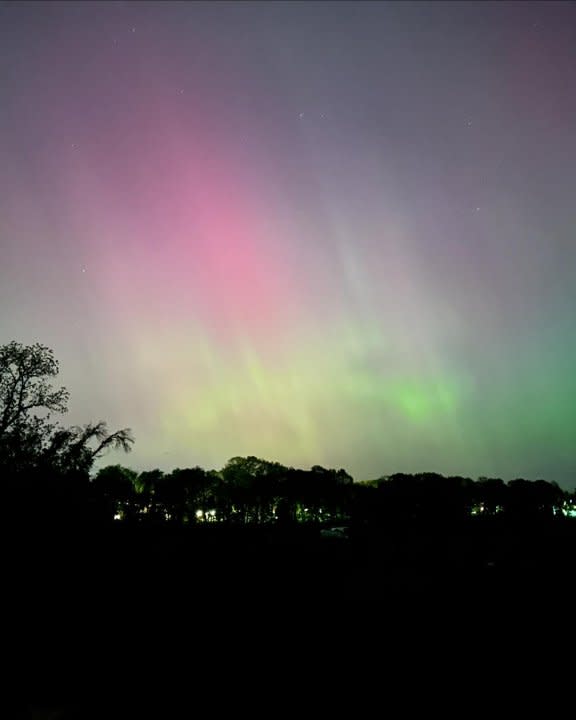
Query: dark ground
[91, 614]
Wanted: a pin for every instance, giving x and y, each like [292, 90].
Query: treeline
[249, 490]
[47, 476]
[253, 491]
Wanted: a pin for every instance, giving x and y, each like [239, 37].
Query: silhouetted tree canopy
[39, 458]
[50, 467]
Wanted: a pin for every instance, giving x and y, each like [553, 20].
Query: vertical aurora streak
[313, 232]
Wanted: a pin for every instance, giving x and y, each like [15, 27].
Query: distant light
[211, 513]
[118, 516]
[199, 513]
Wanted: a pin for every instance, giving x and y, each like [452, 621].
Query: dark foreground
[95, 615]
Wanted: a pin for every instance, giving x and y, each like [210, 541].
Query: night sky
[333, 233]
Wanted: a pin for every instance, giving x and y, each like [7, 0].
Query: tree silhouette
[27, 401]
[490, 496]
[527, 500]
[114, 485]
[45, 465]
[190, 491]
[76, 448]
[46, 471]
[147, 485]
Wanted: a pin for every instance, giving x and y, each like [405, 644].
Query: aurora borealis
[334, 233]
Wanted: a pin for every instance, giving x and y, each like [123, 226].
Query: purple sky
[336, 233]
